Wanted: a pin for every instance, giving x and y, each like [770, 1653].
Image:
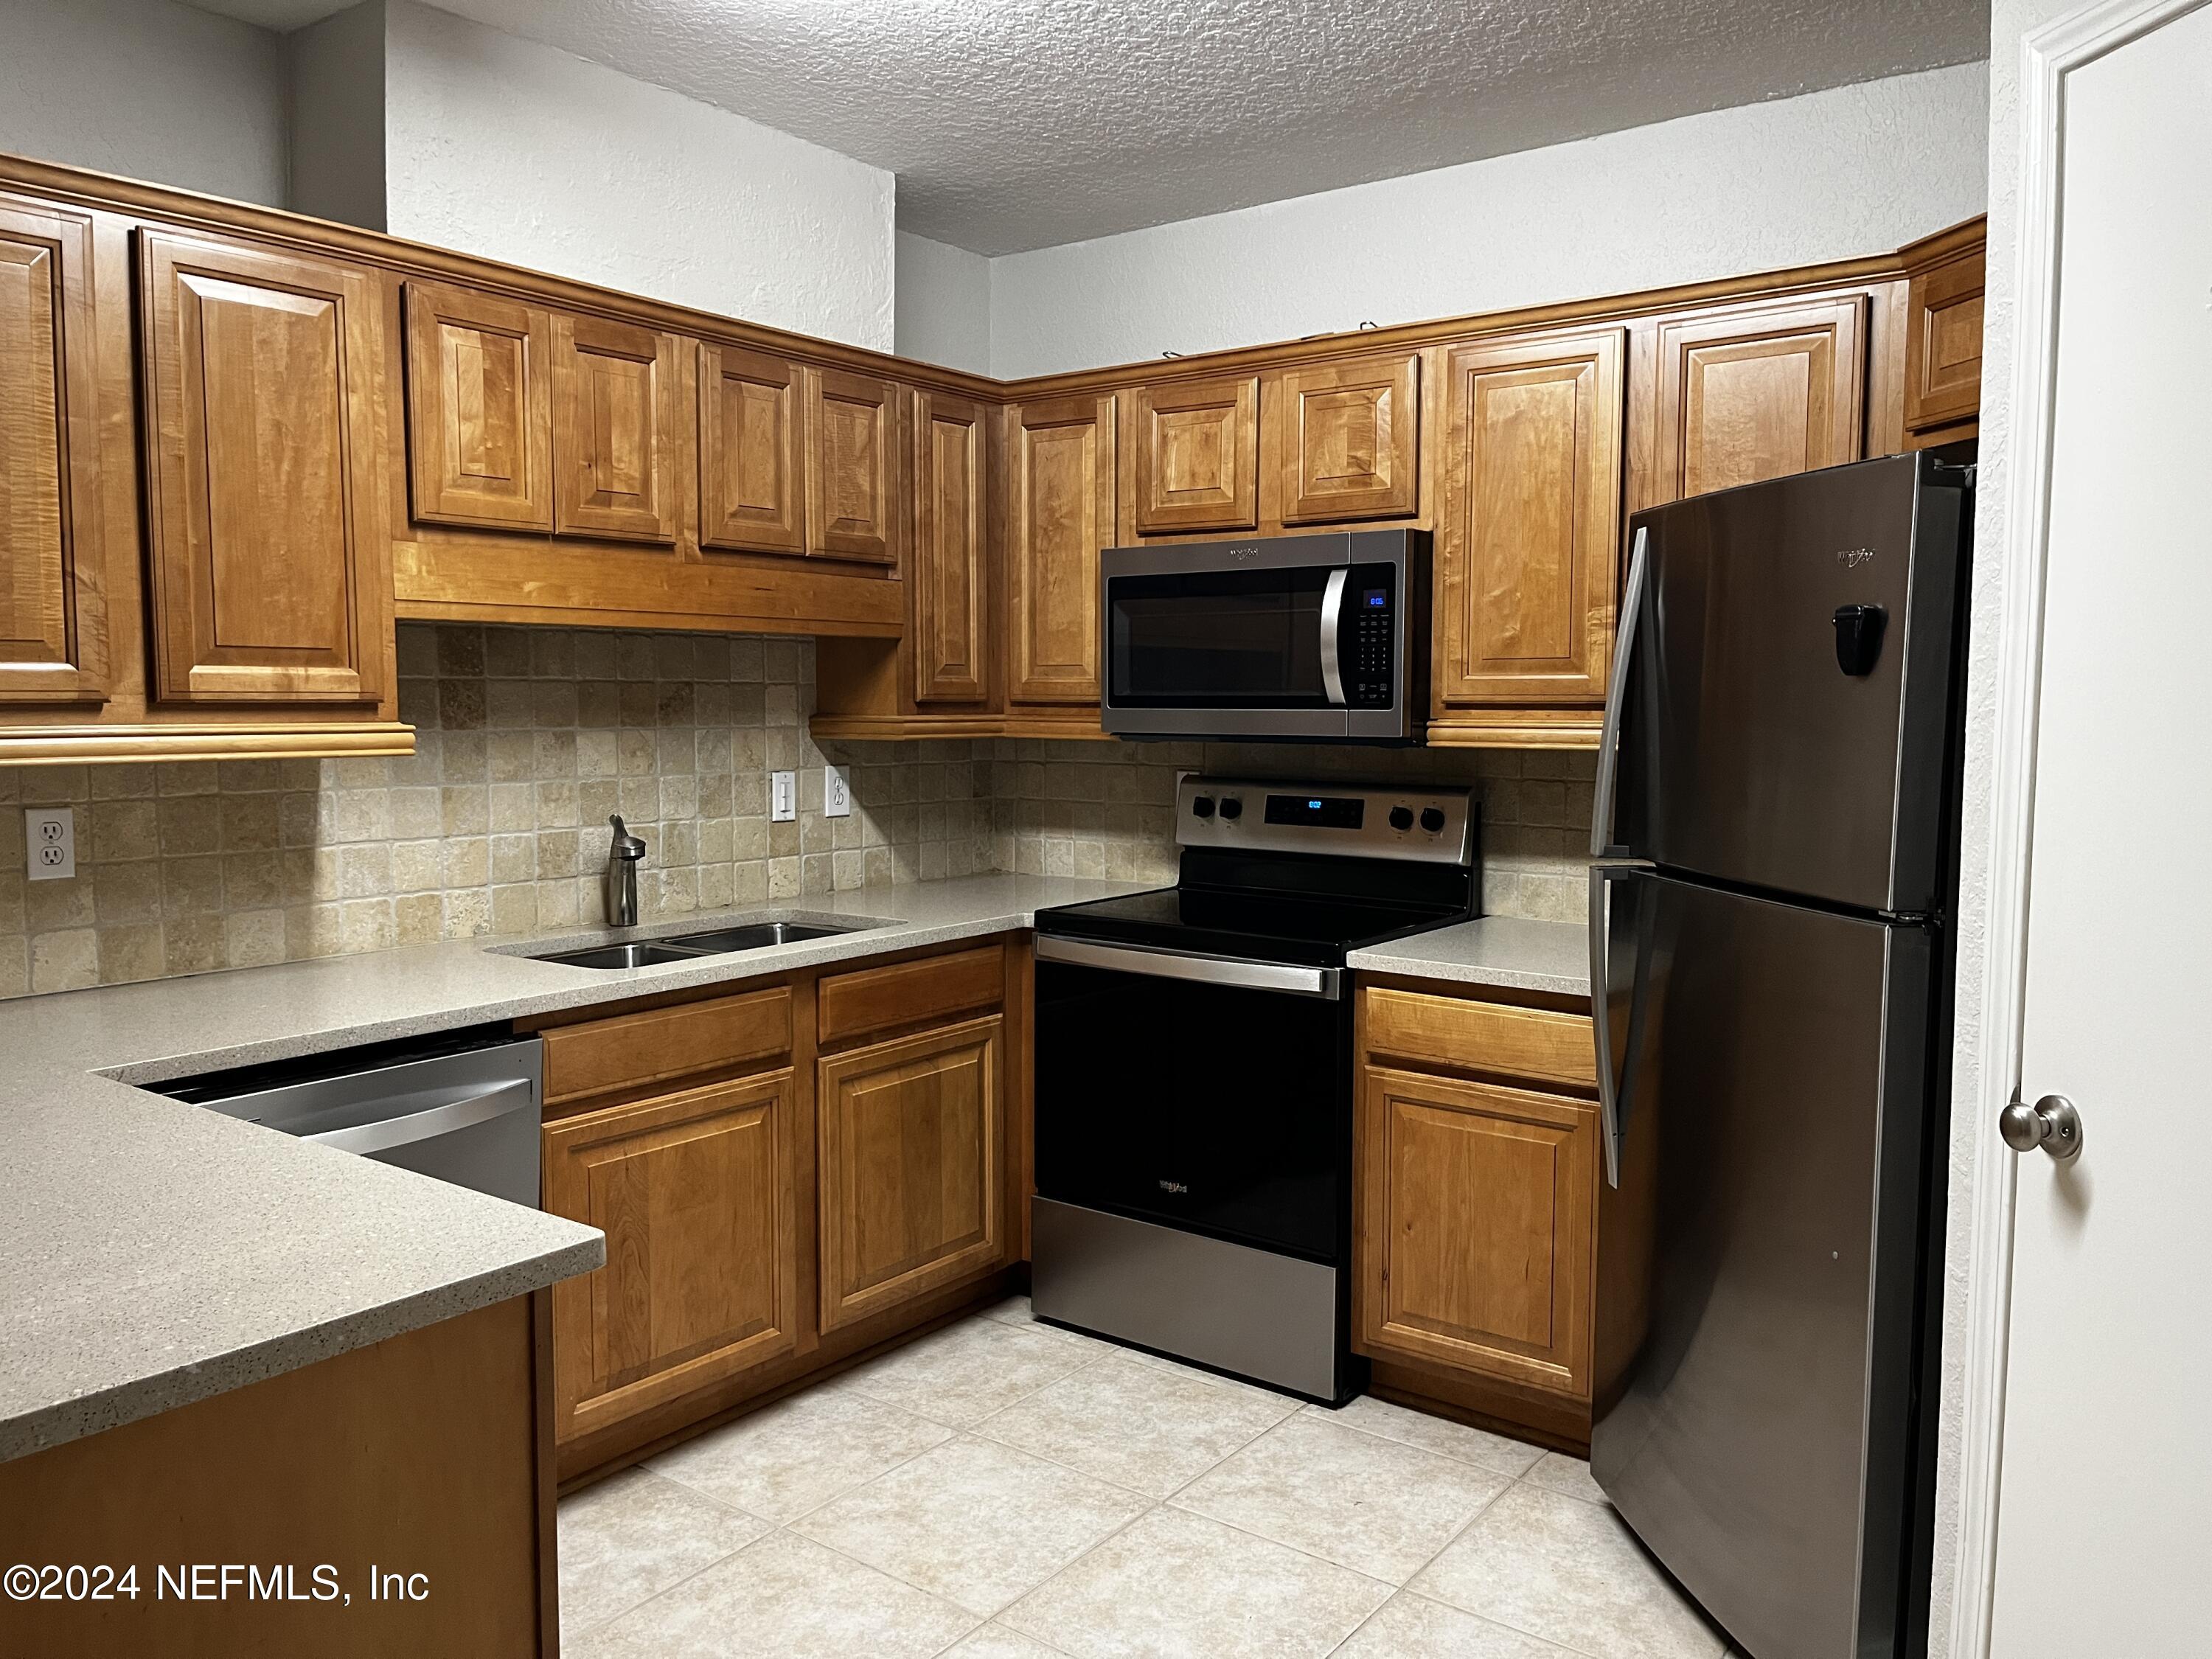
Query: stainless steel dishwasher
[462, 1106]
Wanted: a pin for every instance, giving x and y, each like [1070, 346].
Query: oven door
[1292, 638]
[1204, 1095]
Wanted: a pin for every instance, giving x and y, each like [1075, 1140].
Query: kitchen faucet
[624, 855]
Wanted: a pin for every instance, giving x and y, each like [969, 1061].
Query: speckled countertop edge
[1505, 952]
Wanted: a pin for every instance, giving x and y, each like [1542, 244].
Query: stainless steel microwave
[1317, 638]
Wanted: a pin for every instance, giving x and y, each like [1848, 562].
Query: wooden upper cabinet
[268, 566]
[912, 1169]
[854, 496]
[479, 409]
[752, 457]
[698, 1193]
[1529, 525]
[950, 580]
[1476, 1243]
[1197, 456]
[1943, 345]
[1352, 439]
[1060, 511]
[1755, 393]
[53, 615]
[618, 429]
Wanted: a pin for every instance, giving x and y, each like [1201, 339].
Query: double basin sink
[694, 947]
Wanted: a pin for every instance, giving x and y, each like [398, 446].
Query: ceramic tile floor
[1002, 1490]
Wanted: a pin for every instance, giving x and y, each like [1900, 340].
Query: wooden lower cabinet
[1475, 1231]
[912, 1138]
[698, 1193]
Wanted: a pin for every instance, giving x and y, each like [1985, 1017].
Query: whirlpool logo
[1241, 553]
[1175, 1186]
[1852, 557]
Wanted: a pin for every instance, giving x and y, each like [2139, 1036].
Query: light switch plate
[782, 797]
[836, 792]
[50, 837]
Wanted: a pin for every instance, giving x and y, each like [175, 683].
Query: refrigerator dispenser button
[1858, 638]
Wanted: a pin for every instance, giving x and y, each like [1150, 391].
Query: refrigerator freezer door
[1784, 721]
[1758, 1262]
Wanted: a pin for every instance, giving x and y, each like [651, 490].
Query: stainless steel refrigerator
[1777, 806]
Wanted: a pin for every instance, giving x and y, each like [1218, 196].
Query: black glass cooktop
[1308, 930]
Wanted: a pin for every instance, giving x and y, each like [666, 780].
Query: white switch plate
[836, 792]
[50, 836]
[782, 797]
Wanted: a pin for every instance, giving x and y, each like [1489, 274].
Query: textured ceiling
[1019, 124]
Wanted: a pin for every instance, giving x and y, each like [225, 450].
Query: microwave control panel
[1372, 634]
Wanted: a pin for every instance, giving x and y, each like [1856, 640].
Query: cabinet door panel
[1059, 459]
[1749, 395]
[1198, 466]
[479, 409]
[1352, 444]
[53, 615]
[853, 495]
[269, 565]
[618, 429]
[912, 1144]
[1527, 540]
[698, 1193]
[950, 574]
[1944, 349]
[1476, 1245]
[752, 465]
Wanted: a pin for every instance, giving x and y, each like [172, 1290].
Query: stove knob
[1232, 807]
[1401, 817]
[1432, 819]
[1201, 806]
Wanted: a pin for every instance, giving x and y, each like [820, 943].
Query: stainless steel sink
[756, 936]
[621, 956]
[699, 947]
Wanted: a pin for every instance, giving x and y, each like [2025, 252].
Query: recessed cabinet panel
[1198, 466]
[1060, 511]
[852, 480]
[1943, 351]
[949, 579]
[752, 466]
[480, 409]
[1352, 441]
[54, 616]
[1748, 395]
[1530, 526]
[269, 574]
[1476, 1238]
[698, 1193]
[617, 419]
[912, 1145]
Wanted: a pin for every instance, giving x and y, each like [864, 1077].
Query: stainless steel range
[1194, 1074]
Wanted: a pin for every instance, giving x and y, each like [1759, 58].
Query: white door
[2104, 1545]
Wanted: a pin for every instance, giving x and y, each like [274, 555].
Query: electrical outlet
[836, 792]
[50, 836]
[782, 797]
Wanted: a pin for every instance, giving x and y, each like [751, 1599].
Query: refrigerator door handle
[1612, 1083]
[1608, 744]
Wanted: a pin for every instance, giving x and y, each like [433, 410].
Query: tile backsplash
[529, 738]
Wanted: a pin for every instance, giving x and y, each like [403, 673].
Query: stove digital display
[1322, 811]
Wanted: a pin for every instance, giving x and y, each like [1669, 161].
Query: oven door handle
[1325, 983]
[1331, 628]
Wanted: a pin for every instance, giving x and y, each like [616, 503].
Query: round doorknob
[2051, 1123]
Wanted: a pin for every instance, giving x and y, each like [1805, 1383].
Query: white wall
[146, 88]
[337, 74]
[1834, 174]
[943, 304]
[513, 150]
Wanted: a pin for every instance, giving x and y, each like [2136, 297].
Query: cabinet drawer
[1483, 1036]
[636, 1050]
[909, 992]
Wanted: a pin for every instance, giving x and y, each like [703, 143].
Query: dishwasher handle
[478, 1106]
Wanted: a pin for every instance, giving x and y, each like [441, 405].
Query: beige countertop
[1500, 951]
[159, 1253]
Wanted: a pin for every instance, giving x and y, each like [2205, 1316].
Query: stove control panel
[1348, 820]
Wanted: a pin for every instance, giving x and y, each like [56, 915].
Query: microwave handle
[1331, 626]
